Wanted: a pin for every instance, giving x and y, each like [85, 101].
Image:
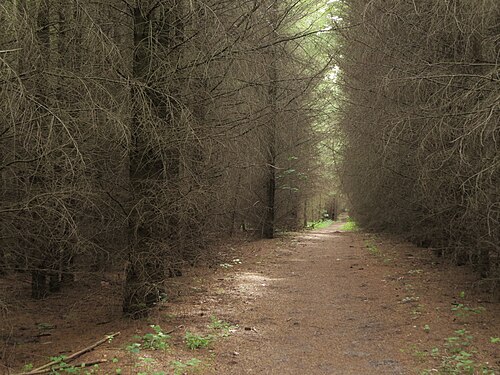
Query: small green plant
[146, 361]
[28, 367]
[180, 368]
[495, 340]
[134, 347]
[457, 342]
[61, 367]
[427, 329]
[462, 310]
[221, 326]
[194, 341]
[458, 356]
[157, 340]
[350, 226]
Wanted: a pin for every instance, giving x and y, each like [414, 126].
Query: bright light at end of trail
[334, 73]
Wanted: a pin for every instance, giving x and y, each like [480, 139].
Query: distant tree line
[133, 133]
[420, 118]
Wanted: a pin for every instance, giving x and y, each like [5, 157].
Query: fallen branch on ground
[81, 365]
[47, 367]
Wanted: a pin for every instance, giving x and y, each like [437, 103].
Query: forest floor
[325, 301]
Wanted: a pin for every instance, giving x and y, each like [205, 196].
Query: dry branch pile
[421, 83]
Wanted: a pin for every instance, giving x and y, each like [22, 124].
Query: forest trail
[323, 307]
[324, 301]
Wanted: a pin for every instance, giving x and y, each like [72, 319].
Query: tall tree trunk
[135, 299]
[150, 169]
[269, 222]
[39, 287]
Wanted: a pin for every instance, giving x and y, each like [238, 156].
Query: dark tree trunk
[269, 222]
[134, 299]
[39, 288]
[148, 167]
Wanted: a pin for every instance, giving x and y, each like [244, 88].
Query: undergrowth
[141, 350]
[350, 226]
[457, 355]
[319, 224]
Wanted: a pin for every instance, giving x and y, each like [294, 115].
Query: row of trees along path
[137, 136]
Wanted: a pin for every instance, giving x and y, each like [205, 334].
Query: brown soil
[321, 302]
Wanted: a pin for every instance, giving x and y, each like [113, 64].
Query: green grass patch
[319, 224]
[459, 356]
[223, 328]
[350, 226]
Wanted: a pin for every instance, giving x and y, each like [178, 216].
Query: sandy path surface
[321, 308]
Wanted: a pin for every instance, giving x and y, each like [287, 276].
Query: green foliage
[180, 368]
[60, 367]
[459, 356]
[350, 226]
[224, 328]
[462, 310]
[319, 224]
[157, 340]
[28, 367]
[194, 341]
[133, 347]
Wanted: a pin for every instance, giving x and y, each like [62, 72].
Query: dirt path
[320, 302]
[319, 309]
[332, 302]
